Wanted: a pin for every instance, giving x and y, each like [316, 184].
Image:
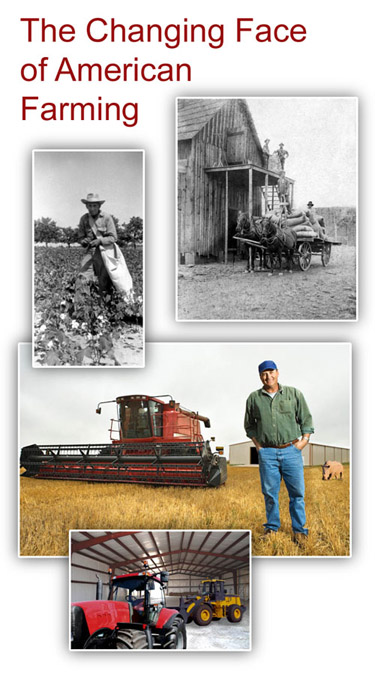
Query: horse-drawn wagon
[273, 240]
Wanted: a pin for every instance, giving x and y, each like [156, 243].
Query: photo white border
[177, 263]
[222, 531]
[85, 150]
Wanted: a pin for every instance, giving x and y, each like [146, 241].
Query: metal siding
[240, 455]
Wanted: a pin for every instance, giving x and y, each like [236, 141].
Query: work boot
[299, 539]
[267, 533]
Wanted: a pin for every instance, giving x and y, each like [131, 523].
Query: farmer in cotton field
[103, 258]
[275, 419]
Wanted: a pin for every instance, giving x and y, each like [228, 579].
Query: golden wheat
[48, 509]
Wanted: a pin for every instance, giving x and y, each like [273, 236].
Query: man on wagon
[275, 419]
[315, 221]
[95, 228]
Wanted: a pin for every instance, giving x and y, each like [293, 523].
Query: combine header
[157, 443]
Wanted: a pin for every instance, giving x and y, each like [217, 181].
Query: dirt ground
[216, 291]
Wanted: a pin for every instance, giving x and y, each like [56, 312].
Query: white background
[307, 614]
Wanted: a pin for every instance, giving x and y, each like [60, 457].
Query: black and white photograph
[88, 258]
[267, 209]
[160, 590]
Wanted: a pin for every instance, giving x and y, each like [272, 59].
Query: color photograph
[160, 590]
[264, 445]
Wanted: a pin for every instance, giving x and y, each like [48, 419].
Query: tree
[134, 230]
[69, 235]
[45, 230]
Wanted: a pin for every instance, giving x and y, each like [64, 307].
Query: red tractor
[153, 442]
[134, 616]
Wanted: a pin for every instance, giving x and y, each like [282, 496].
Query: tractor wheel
[203, 615]
[131, 639]
[175, 635]
[234, 613]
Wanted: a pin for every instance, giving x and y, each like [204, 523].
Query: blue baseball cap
[267, 365]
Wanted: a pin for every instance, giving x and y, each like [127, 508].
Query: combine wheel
[203, 615]
[175, 636]
[305, 255]
[326, 253]
[234, 613]
[131, 639]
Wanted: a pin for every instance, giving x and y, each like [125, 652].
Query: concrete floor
[220, 635]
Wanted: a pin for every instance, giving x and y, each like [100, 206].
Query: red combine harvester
[133, 617]
[157, 443]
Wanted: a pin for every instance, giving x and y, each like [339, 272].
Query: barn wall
[201, 196]
[182, 585]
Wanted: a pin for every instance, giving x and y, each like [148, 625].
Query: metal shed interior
[188, 556]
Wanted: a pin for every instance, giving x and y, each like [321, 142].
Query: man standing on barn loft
[275, 418]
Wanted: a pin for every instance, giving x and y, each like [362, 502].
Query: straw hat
[93, 199]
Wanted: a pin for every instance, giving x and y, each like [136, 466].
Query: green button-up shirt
[277, 420]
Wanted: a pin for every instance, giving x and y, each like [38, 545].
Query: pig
[332, 469]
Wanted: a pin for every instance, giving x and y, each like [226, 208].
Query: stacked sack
[300, 224]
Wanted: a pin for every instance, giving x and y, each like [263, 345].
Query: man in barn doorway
[276, 417]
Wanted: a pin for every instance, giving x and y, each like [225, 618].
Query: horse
[251, 228]
[277, 241]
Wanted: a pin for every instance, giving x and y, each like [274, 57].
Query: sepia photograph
[266, 209]
[88, 258]
[160, 590]
[264, 444]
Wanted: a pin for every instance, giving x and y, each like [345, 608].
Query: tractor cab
[143, 591]
[213, 589]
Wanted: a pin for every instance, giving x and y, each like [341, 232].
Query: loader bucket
[179, 464]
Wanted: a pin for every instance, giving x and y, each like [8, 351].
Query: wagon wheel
[304, 259]
[326, 253]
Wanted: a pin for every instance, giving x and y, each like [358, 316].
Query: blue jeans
[286, 463]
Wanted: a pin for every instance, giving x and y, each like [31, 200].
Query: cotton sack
[117, 269]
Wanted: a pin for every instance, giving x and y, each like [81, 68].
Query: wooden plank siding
[214, 133]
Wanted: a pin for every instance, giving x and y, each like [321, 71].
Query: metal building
[314, 454]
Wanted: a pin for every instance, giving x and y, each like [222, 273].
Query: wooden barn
[221, 170]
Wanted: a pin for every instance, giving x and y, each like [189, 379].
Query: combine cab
[157, 443]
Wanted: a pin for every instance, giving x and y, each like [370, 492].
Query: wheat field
[48, 509]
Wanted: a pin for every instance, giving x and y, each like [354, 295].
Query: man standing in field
[275, 418]
[95, 228]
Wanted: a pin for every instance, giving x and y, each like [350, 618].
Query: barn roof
[194, 113]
